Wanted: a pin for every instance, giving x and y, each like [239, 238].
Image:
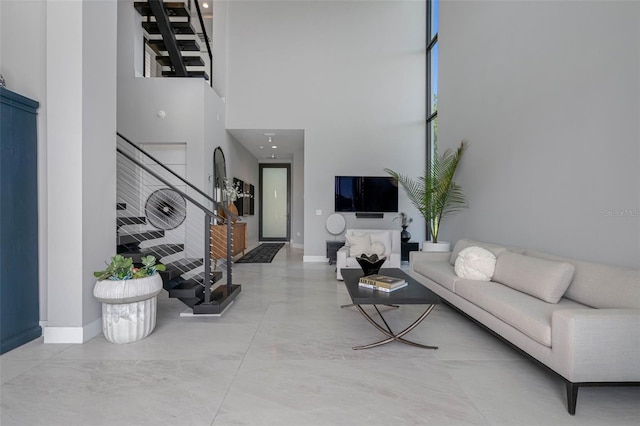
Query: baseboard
[296, 246]
[73, 334]
[314, 259]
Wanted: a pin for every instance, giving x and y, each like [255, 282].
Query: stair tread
[216, 275]
[183, 45]
[190, 61]
[136, 237]
[131, 220]
[221, 297]
[201, 74]
[176, 27]
[185, 265]
[121, 206]
[158, 251]
[172, 8]
[162, 250]
[193, 287]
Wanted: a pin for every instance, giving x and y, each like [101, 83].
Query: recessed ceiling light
[274, 146]
[261, 146]
[205, 5]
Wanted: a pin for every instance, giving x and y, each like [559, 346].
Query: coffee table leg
[389, 332]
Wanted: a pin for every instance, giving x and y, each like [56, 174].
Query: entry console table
[219, 240]
[413, 294]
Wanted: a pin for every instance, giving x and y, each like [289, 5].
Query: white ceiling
[287, 142]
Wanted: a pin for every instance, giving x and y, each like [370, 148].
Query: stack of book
[382, 283]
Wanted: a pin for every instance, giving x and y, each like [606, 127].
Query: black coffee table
[413, 294]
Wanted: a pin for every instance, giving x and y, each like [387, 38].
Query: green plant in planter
[121, 268]
[435, 194]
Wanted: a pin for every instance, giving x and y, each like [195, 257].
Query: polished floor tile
[282, 355]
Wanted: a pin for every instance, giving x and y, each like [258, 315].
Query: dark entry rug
[264, 253]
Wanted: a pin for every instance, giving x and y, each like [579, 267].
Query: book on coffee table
[383, 281]
[383, 289]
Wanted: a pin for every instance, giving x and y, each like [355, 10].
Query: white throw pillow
[384, 238]
[359, 244]
[475, 263]
[377, 248]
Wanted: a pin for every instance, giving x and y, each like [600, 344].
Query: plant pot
[128, 307]
[436, 247]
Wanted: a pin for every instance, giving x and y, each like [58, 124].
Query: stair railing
[209, 214]
[206, 40]
[164, 25]
[216, 205]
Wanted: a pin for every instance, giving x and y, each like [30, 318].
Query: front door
[275, 202]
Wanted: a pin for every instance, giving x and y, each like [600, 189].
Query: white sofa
[590, 336]
[389, 238]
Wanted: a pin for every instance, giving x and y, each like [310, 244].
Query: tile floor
[281, 355]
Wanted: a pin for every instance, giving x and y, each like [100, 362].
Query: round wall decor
[336, 223]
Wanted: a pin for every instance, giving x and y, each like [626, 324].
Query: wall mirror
[219, 173]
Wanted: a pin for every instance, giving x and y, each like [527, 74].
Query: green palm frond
[435, 194]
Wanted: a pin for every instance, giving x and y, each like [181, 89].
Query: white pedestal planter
[128, 307]
[439, 247]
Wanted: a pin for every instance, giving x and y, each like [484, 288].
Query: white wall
[242, 165]
[297, 207]
[548, 94]
[351, 74]
[219, 46]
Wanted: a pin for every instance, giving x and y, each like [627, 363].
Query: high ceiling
[257, 142]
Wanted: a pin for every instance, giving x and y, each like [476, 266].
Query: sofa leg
[572, 397]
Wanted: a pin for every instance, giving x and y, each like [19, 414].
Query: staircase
[171, 34]
[189, 276]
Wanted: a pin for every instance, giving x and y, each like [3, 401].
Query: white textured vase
[128, 307]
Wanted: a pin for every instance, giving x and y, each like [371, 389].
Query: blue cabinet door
[19, 294]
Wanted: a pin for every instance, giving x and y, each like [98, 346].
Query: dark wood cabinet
[19, 289]
[219, 240]
[332, 250]
[405, 248]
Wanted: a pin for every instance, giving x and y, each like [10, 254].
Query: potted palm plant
[129, 298]
[435, 194]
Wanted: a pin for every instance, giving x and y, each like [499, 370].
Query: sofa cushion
[545, 279]
[359, 244]
[528, 314]
[475, 263]
[598, 285]
[440, 272]
[383, 237]
[464, 243]
[378, 248]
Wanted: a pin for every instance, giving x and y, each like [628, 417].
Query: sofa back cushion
[464, 243]
[545, 279]
[358, 245]
[598, 285]
[389, 238]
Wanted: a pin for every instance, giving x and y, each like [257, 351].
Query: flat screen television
[374, 194]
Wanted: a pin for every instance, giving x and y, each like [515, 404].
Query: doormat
[264, 253]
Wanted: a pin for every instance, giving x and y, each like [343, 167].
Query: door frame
[263, 166]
